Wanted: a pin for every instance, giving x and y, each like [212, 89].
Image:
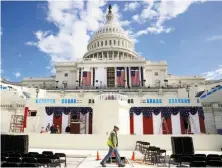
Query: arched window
[106, 43]
[101, 43]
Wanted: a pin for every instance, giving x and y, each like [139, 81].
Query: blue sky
[188, 35]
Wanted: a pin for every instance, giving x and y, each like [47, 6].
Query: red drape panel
[147, 125]
[26, 112]
[58, 121]
[90, 123]
[202, 125]
[132, 125]
[169, 125]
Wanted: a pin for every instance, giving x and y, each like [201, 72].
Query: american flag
[120, 77]
[86, 78]
[135, 79]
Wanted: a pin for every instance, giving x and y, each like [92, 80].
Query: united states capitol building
[113, 84]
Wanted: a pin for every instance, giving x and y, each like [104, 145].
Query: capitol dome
[110, 42]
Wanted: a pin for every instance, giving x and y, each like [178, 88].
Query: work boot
[103, 164]
[121, 165]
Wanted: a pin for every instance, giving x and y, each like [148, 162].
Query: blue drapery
[57, 111]
[167, 111]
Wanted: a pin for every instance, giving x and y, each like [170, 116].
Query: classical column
[130, 77]
[77, 78]
[115, 77]
[144, 77]
[140, 76]
[125, 77]
[91, 69]
[82, 69]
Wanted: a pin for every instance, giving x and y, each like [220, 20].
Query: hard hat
[116, 126]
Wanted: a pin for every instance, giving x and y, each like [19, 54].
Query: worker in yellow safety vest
[113, 144]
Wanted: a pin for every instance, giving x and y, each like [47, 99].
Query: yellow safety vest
[109, 141]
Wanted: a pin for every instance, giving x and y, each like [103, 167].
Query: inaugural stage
[201, 142]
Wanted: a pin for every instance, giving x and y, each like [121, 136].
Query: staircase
[16, 124]
[213, 95]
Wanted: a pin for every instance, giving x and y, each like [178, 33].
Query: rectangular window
[156, 73]
[110, 42]
[114, 42]
[102, 43]
[106, 43]
[66, 74]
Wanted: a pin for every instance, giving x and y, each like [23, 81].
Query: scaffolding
[16, 124]
[164, 126]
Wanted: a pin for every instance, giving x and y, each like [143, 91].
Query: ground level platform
[87, 158]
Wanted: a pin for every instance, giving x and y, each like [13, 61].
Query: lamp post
[180, 83]
[166, 82]
[57, 84]
[188, 91]
[63, 85]
[159, 83]
[37, 92]
[77, 84]
[97, 84]
[44, 85]
[144, 81]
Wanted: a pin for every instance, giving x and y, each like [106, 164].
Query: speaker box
[89, 100]
[93, 101]
[14, 143]
[182, 145]
[188, 147]
[177, 145]
[129, 101]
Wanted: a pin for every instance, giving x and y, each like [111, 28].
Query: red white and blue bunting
[167, 111]
[58, 111]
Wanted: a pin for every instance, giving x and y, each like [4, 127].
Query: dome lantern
[109, 16]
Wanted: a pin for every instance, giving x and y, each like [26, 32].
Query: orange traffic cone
[97, 156]
[133, 156]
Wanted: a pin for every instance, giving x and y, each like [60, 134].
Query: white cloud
[31, 43]
[131, 6]
[159, 13]
[72, 38]
[136, 18]
[19, 55]
[154, 30]
[214, 38]
[1, 31]
[162, 42]
[214, 74]
[17, 74]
